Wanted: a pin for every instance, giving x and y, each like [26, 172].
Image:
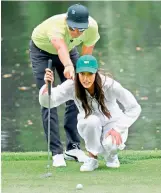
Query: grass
[140, 172]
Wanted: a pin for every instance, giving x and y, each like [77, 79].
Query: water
[129, 48]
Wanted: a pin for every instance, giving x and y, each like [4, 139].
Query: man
[56, 38]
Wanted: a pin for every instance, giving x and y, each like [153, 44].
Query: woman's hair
[99, 96]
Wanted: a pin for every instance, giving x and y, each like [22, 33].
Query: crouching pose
[101, 123]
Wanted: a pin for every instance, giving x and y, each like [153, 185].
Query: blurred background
[129, 48]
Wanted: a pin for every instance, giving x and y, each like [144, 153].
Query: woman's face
[87, 79]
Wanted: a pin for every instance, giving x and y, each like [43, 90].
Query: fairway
[140, 172]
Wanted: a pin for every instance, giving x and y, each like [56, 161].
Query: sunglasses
[73, 29]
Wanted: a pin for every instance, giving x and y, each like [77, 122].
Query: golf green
[140, 172]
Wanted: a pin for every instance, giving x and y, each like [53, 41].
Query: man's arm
[62, 50]
[91, 38]
[64, 57]
[87, 50]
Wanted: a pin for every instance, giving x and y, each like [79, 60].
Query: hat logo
[86, 62]
[73, 11]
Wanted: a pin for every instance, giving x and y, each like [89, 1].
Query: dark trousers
[39, 60]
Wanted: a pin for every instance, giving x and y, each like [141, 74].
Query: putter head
[48, 166]
[47, 175]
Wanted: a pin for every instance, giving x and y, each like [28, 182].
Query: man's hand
[116, 137]
[69, 72]
[49, 77]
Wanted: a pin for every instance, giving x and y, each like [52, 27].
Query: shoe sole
[113, 166]
[70, 157]
[59, 166]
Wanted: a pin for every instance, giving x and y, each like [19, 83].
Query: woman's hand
[49, 77]
[116, 137]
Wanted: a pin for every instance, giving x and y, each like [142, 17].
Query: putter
[48, 174]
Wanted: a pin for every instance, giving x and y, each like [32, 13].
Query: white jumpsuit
[94, 128]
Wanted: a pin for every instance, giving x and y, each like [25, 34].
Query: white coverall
[94, 128]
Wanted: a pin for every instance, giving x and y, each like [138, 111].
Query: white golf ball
[79, 187]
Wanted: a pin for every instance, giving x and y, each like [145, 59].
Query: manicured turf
[140, 172]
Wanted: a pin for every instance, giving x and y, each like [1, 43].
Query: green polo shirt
[56, 26]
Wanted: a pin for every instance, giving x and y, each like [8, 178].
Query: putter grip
[49, 83]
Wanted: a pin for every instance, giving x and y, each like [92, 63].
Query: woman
[101, 123]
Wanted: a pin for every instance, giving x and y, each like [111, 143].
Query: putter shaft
[49, 134]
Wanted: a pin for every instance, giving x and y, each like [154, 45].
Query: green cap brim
[86, 69]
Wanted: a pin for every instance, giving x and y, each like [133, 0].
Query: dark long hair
[99, 96]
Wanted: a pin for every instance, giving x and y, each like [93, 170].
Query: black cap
[77, 16]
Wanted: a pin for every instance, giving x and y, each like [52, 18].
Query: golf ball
[79, 186]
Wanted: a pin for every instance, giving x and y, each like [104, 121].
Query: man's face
[75, 33]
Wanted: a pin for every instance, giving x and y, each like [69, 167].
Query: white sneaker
[113, 162]
[58, 160]
[89, 165]
[75, 154]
